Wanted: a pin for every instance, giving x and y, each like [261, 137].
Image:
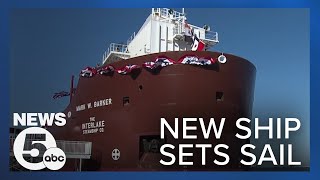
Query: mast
[71, 87]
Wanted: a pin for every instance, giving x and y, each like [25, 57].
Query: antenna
[183, 11]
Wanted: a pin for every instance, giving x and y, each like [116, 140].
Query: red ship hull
[132, 116]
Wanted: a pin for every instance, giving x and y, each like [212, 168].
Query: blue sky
[49, 45]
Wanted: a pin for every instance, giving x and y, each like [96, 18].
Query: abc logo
[54, 158]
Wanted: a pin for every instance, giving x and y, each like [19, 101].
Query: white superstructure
[164, 30]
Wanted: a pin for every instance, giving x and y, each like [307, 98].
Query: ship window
[150, 144]
[126, 101]
[219, 96]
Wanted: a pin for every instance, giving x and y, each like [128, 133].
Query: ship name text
[95, 104]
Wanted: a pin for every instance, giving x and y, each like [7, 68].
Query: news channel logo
[53, 157]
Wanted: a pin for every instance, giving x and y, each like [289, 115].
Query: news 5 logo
[53, 157]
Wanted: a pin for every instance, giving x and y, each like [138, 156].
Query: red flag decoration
[207, 61]
[107, 70]
[160, 62]
[60, 94]
[150, 65]
[195, 60]
[198, 45]
[127, 69]
[88, 72]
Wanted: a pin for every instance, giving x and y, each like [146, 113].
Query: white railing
[210, 35]
[179, 29]
[75, 147]
[115, 48]
[121, 48]
[167, 13]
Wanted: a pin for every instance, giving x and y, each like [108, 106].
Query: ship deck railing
[114, 52]
[209, 37]
[72, 149]
[167, 13]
